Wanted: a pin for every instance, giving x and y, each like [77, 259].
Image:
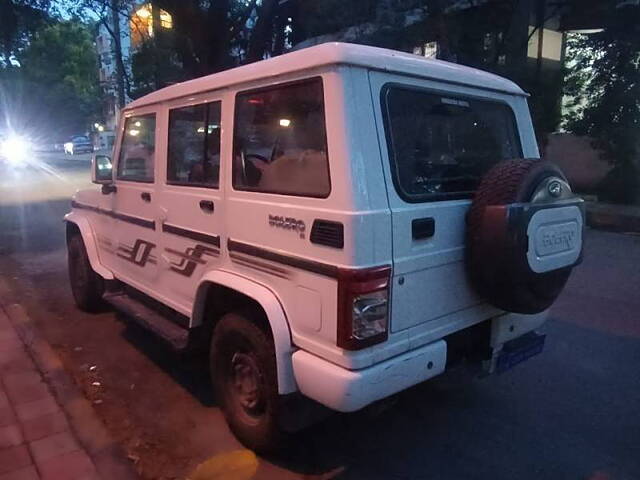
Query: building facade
[120, 34]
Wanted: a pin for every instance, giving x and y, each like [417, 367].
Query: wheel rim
[245, 382]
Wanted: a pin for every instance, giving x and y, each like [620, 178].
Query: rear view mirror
[101, 169]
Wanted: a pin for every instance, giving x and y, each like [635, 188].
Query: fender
[275, 315]
[90, 243]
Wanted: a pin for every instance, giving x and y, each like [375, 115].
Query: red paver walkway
[35, 439]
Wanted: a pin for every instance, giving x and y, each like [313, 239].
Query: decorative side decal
[142, 253]
[141, 222]
[105, 244]
[190, 259]
[263, 267]
[139, 254]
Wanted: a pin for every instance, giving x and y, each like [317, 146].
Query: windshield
[440, 145]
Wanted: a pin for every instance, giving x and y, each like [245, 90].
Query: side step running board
[176, 336]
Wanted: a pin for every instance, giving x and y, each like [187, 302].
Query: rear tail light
[363, 307]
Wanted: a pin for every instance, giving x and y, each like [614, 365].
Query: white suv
[341, 222]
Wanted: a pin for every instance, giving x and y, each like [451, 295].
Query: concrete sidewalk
[48, 430]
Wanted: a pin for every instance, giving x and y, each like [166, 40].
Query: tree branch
[118, 55]
[241, 22]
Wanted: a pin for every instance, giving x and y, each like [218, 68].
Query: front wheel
[86, 285]
[243, 368]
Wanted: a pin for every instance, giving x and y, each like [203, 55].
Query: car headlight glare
[15, 150]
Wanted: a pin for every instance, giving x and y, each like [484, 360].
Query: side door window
[280, 140]
[194, 146]
[136, 162]
[135, 203]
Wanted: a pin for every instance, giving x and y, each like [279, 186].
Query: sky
[66, 9]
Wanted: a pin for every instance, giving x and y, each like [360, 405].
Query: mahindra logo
[287, 223]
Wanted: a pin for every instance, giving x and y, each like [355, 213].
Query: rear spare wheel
[524, 235]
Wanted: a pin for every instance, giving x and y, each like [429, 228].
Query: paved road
[571, 413]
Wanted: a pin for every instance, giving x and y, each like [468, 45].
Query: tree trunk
[280, 38]
[218, 37]
[518, 43]
[260, 39]
[120, 72]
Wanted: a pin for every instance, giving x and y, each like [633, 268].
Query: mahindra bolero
[338, 223]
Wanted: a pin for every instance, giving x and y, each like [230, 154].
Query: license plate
[518, 350]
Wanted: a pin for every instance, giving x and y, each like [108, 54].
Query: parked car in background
[78, 144]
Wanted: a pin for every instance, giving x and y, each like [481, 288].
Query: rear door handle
[206, 206]
[423, 228]
[146, 196]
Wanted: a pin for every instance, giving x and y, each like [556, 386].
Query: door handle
[206, 206]
[108, 188]
[146, 196]
[423, 228]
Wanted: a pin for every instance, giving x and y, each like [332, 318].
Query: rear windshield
[440, 145]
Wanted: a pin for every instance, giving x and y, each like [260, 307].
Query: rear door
[190, 199]
[436, 144]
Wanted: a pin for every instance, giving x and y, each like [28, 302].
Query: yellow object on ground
[236, 465]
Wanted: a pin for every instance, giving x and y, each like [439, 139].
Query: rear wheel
[86, 285]
[243, 367]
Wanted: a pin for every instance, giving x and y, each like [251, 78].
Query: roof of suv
[335, 54]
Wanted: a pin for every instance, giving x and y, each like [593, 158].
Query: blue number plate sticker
[519, 350]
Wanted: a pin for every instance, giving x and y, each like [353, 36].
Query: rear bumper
[350, 390]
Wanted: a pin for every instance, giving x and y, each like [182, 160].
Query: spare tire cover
[524, 235]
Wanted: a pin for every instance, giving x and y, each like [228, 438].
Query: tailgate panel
[429, 294]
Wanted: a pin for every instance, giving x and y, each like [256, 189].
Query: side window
[194, 145]
[280, 141]
[137, 149]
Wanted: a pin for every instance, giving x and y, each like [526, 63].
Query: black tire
[243, 352]
[510, 181]
[87, 286]
[494, 277]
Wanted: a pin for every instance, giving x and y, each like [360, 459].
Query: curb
[107, 456]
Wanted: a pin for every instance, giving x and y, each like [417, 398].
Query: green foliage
[484, 35]
[63, 56]
[206, 37]
[154, 64]
[329, 16]
[56, 88]
[604, 83]
[19, 20]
